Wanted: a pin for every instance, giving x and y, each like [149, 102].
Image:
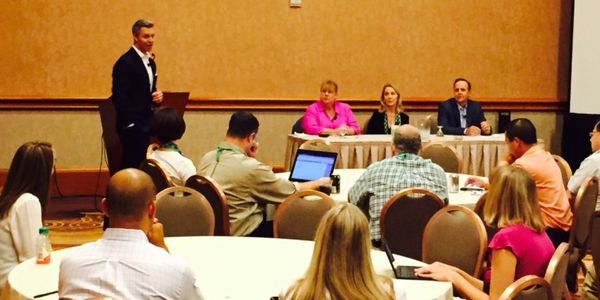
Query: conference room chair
[112, 144]
[317, 145]
[431, 122]
[298, 216]
[584, 207]
[528, 287]
[215, 196]
[297, 128]
[595, 244]
[444, 155]
[184, 212]
[491, 231]
[159, 176]
[565, 169]
[557, 271]
[455, 236]
[403, 220]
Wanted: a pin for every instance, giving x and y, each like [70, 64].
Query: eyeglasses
[593, 132]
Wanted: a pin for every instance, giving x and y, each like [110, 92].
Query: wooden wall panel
[265, 50]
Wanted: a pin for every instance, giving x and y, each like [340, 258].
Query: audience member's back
[131, 260]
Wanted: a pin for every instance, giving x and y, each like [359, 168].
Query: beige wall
[76, 136]
[264, 49]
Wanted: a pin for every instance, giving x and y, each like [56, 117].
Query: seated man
[589, 167]
[523, 151]
[131, 260]
[405, 169]
[247, 183]
[461, 116]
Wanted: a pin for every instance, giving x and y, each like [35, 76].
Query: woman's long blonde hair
[399, 107]
[341, 264]
[512, 200]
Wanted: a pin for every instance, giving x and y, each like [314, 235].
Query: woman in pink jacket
[328, 116]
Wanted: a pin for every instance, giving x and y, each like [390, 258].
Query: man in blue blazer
[135, 95]
[461, 116]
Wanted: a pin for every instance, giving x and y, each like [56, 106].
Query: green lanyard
[220, 151]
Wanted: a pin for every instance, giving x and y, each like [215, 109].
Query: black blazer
[376, 125]
[131, 91]
[449, 116]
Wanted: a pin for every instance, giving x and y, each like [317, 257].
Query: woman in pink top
[328, 116]
[520, 248]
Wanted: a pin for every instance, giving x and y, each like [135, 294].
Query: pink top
[551, 192]
[316, 119]
[532, 249]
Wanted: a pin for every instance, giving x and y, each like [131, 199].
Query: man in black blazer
[134, 94]
[461, 116]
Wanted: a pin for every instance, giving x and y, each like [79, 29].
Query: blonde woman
[521, 246]
[389, 114]
[341, 266]
[328, 116]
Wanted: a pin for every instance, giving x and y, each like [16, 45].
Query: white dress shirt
[125, 265]
[589, 167]
[18, 233]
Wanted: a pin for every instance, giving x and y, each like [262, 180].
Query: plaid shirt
[388, 177]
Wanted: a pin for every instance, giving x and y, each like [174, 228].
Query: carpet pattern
[72, 232]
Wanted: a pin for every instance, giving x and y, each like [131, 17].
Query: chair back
[595, 244]
[444, 155]
[556, 272]
[159, 176]
[528, 287]
[184, 212]
[215, 196]
[491, 231]
[112, 143]
[584, 207]
[403, 220]
[456, 236]
[432, 121]
[300, 214]
[317, 145]
[565, 169]
[298, 128]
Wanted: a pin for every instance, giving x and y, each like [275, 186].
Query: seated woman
[168, 126]
[589, 167]
[22, 201]
[521, 246]
[328, 116]
[341, 266]
[389, 114]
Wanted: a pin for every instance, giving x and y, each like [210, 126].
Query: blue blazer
[449, 116]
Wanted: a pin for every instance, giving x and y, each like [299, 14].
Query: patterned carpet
[72, 232]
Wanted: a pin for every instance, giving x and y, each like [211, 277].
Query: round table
[229, 268]
[349, 176]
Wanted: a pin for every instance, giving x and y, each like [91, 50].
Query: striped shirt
[388, 177]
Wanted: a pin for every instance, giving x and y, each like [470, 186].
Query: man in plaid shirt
[405, 169]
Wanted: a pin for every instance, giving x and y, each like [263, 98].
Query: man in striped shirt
[405, 169]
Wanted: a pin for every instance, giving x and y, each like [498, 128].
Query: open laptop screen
[311, 165]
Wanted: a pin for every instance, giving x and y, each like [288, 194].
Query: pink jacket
[315, 118]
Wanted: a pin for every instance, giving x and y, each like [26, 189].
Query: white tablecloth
[230, 268]
[349, 176]
[480, 154]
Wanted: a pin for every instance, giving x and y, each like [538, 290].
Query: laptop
[401, 272]
[312, 165]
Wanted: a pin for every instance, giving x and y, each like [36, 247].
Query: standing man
[461, 116]
[134, 94]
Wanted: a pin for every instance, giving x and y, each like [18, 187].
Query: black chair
[297, 128]
[112, 144]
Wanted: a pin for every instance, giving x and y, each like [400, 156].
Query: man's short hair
[523, 129]
[242, 124]
[136, 28]
[129, 195]
[462, 79]
[407, 143]
[167, 125]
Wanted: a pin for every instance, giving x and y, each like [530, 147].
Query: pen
[471, 188]
[45, 294]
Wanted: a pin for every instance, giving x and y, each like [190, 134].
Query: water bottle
[43, 246]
